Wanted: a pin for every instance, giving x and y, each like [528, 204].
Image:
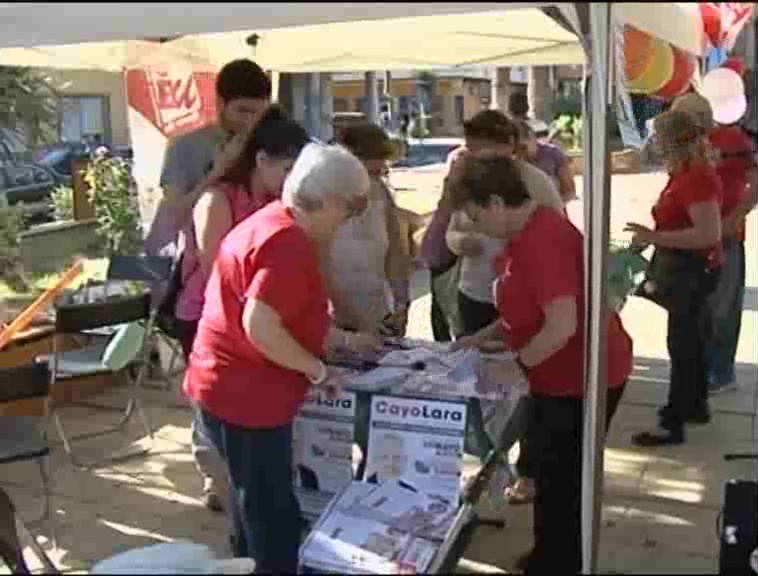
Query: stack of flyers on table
[322, 446]
[379, 529]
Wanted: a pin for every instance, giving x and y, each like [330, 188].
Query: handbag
[674, 280]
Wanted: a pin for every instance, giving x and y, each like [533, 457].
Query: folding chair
[131, 317]
[24, 438]
[13, 534]
[155, 271]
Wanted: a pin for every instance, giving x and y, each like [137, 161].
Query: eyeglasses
[356, 206]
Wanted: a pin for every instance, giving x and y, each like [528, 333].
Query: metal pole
[599, 235]
[372, 98]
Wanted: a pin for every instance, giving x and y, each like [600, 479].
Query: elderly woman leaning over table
[260, 343]
[540, 300]
[490, 133]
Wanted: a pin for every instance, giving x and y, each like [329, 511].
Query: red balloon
[638, 52]
[710, 12]
[684, 70]
[736, 64]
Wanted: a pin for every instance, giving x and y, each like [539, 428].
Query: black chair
[24, 438]
[156, 272]
[127, 318]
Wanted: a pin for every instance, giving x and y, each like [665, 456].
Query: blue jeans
[265, 513]
[725, 307]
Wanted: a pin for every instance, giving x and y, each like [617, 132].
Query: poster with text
[322, 446]
[419, 442]
[164, 101]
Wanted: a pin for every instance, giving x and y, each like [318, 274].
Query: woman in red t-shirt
[260, 341]
[734, 151]
[541, 301]
[687, 219]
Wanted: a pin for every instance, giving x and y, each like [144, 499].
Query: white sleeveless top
[358, 260]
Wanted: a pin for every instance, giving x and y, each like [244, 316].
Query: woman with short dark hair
[541, 302]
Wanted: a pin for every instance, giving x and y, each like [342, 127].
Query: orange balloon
[659, 71]
[684, 70]
[638, 52]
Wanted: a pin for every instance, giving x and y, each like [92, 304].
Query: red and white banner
[723, 21]
[164, 102]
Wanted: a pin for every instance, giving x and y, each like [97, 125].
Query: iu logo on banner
[175, 99]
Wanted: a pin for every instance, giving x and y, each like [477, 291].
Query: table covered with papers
[406, 510]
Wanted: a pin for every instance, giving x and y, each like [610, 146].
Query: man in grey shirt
[193, 162]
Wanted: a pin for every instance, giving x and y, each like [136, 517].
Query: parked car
[26, 183]
[30, 182]
[428, 151]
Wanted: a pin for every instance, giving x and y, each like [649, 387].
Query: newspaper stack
[388, 528]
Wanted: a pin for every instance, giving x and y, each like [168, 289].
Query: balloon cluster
[654, 67]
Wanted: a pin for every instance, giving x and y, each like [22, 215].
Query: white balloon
[725, 91]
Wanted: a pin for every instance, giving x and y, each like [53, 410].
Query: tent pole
[598, 236]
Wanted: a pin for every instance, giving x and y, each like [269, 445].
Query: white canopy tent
[315, 37]
[296, 37]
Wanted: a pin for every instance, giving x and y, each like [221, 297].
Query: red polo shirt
[696, 184]
[735, 163]
[270, 258]
[543, 263]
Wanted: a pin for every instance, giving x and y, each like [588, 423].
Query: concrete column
[284, 92]
[540, 98]
[313, 104]
[372, 98]
[327, 106]
[275, 85]
[299, 99]
[501, 88]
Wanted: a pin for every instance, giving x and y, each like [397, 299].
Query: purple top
[550, 159]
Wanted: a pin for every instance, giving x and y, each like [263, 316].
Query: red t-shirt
[270, 258]
[696, 184]
[735, 164]
[543, 263]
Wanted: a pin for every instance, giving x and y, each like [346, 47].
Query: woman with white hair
[260, 342]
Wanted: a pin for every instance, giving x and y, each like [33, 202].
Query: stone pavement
[660, 506]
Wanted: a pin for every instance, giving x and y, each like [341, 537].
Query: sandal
[521, 492]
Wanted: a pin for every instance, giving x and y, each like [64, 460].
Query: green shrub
[569, 130]
[114, 198]
[11, 225]
[62, 201]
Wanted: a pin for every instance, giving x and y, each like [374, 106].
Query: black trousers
[556, 439]
[689, 330]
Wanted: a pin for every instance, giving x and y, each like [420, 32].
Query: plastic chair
[129, 319]
[24, 438]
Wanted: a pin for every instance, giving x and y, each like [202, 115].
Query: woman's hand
[396, 323]
[228, 154]
[332, 386]
[642, 236]
[466, 343]
[362, 343]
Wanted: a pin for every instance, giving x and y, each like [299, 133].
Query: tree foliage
[28, 106]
